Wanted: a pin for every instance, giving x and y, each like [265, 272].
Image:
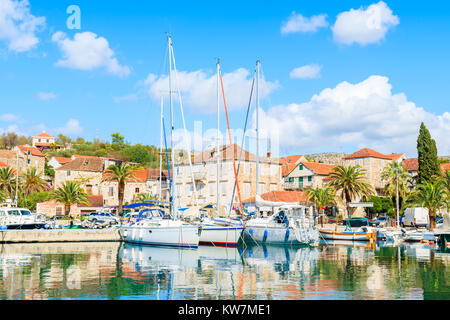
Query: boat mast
[257, 127]
[161, 149]
[218, 137]
[173, 196]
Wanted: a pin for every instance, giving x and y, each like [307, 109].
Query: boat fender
[250, 232]
[286, 237]
[250, 253]
[266, 233]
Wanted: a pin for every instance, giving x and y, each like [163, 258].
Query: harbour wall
[36, 236]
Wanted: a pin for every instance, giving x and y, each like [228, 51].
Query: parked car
[102, 217]
[380, 222]
[416, 217]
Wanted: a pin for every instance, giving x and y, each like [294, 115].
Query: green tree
[70, 193]
[137, 154]
[430, 195]
[389, 175]
[7, 181]
[122, 174]
[322, 197]
[445, 180]
[63, 140]
[428, 159]
[351, 183]
[32, 182]
[118, 141]
[49, 170]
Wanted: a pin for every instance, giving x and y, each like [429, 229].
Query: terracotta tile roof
[283, 196]
[43, 135]
[366, 153]
[2, 164]
[33, 151]
[291, 159]
[445, 167]
[8, 154]
[75, 156]
[83, 164]
[286, 169]
[395, 156]
[94, 202]
[321, 169]
[411, 164]
[140, 175]
[63, 160]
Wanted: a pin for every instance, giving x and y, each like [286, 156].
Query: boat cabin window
[14, 213]
[25, 212]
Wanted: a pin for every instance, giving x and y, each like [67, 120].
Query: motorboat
[20, 218]
[159, 229]
[350, 233]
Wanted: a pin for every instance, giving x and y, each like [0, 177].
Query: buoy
[265, 235]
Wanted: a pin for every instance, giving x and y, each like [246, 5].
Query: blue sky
[393, 81]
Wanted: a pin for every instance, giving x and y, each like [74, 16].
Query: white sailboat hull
[217, 235]
[170, 235]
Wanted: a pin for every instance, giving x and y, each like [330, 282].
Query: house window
[300, 167]
[68, 173]
[111, 192]
[291, 179]
[58, 211]
[136, 190]
[301, 179]
[246, 168]
[211, 188]
[28, 161]
[247, 189]
[309, 179]
[224, 188]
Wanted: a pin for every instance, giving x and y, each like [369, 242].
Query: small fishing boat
[418, 236]
[159, 229]
[364, 233]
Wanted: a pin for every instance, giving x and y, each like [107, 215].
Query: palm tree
[432, 196]
[7, 181]
[142, 197]
[351, 183]
[2, 196]
[122, 174]
[32, 181]
[70, 193]
[445, 180]
[389, 175]
[322, 197]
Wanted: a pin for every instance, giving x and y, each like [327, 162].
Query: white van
[416, 217]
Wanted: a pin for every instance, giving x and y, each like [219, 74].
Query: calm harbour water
[98, 271]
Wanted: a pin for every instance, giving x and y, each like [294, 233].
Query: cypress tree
[428, 159]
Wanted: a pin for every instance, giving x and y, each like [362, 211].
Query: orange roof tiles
[291, 159]
[2, 164]
[322, 169]
[366, 153]
[33, 151]
[286, 169]
[43, 135]
[411, 164]
[63, 160]
[83, 164]
[395, 156]
[445, 167]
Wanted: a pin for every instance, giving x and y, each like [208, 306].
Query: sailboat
[159, 228]
[290, 223]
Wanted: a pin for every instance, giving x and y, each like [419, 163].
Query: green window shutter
[301, 167]
[300, 179]
[309, 179]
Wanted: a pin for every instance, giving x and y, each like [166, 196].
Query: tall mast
[161, 149]
[218, 137]
[257, 126]
[171, 127]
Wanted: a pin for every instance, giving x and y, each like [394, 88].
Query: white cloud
[350, 116]
[364, 26]
[298, 23]
[71, 128]
[9, 117]
[87, 51]
[311, 71]
[46, 96]
[199, 89]
[18, 27]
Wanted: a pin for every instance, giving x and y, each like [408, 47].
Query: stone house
[53, 208]
[13, 159]
[57, 162]
[374, 163]
[43, 141]
[205, 176]
[88, 172]
[106, 161]
[292, 160]
[306, 175]
[30, 157]
[145, 182]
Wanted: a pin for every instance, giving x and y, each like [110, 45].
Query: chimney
[269, 155]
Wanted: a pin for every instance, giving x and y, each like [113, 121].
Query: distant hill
[328, 157]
